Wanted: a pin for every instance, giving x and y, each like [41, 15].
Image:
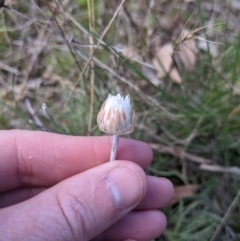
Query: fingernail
[125, 186]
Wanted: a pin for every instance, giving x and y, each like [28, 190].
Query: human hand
[56, 187]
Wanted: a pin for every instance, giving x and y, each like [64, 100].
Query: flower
[116, 116]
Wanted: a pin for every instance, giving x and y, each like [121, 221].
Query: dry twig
[220, 169]
[206, 164]
[178, 152]
[36, 121]
[225, 218]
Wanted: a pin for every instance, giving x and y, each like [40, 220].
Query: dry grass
[178, 60]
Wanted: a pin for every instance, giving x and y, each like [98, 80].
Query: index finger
[33, 158]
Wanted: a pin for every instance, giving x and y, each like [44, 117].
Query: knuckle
[23, 166]
[78, 214]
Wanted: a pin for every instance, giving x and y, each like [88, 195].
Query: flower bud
[116, 116]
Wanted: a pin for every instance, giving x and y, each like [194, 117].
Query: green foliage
[82, 3]
[200, 116]
[3, 123]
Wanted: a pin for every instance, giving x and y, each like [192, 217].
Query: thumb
[78, 208]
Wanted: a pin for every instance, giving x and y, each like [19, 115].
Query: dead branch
[220, 169]
[206, 164]
[178, 152]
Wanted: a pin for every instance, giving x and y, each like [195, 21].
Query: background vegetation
[180, 63]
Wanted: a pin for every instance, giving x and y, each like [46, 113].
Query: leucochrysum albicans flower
[116, 115]
[117, 118]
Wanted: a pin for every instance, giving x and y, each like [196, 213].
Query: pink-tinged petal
[116, 115]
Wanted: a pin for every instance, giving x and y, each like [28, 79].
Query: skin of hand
[57, 187]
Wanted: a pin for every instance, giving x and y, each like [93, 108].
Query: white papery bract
[116, 116]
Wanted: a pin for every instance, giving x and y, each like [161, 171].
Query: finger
[78, 208]
[12, 197]
[159, 193]
[140, 226]
[43, 159]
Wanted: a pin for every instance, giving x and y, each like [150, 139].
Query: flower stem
[115, 141]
